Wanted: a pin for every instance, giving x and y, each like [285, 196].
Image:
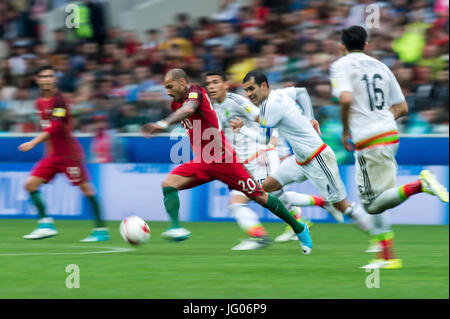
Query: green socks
[37, 201]
[172, 204]
[97, 212]
[277, 207]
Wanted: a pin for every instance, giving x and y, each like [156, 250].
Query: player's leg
[77, 173]
[238, 177]
[185, 176]
[376, 171]
[100, 231]
[43, 172]
[249, 222]
[323, 172]
[293, 206]
[393, 197]
[246, 218]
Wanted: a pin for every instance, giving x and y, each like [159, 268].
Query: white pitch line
[110, 251]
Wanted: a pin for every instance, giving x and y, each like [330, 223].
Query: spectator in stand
[241, 64]
[229, 11]
[153, 40]
[130, 120]
[125, 84]
[173, 38]
[183, 26]
[226, 36]
[62, 46]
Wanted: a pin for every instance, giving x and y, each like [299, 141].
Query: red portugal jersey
[207, 139]
[56, 119]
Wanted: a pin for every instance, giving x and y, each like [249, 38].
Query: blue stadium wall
[134, 187]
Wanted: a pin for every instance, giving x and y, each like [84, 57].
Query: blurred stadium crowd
[110, 76]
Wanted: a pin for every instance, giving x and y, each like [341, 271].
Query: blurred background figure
[105, 146]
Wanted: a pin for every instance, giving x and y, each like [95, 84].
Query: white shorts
[261, 167]
[376, 171]
[322, 171]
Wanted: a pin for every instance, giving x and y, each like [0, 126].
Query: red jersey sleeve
[195, 94]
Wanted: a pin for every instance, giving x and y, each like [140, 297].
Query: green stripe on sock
[99, 223]
[277, 207]
[37, 201]
[172, 204]
[385, 236]
[401, 193]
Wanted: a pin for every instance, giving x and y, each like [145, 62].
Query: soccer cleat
[45, 229]
[431, 185]
[384, 264]
[393, 264]
[176, 234]
[97, 234]
[252, 243]
[289, 234]
[374, 264]
[374, 247]
[336, 213]
[305, 240]
[286, 236]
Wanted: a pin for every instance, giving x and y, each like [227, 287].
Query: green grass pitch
[205, 267]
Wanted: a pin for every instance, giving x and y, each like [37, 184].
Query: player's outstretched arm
[44, 136]
[186, 110]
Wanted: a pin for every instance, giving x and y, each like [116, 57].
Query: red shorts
[235, 175]
[48, 167]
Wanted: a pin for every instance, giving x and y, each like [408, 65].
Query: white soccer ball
[134, 230]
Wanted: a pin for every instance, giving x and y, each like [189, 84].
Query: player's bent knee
[372, 209]
[166, 183]
[270, 185]
[32, 185]
[262, 199]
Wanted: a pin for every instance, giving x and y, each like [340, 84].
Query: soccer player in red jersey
[63, 155]
[214, 159]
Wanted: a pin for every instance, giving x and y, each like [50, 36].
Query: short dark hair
[258, 76]
[43, 68]
[222, 74]
[354, 38]
[176, 74]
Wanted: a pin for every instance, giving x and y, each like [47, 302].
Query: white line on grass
[109, 251]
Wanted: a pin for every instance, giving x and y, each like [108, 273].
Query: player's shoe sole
[41, 233]
[252, 244]
[289, 234]
[384, 264]
[374, 248]
[176, 234]
[96, 236]
[431, 186]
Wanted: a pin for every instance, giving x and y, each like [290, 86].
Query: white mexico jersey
[302, 99]
[233, 106]
[374, 89]
[281, 112]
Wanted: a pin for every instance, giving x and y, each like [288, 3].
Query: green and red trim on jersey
[386, 138]
[316, 152]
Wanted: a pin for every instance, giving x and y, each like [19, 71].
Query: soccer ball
[134, 230]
